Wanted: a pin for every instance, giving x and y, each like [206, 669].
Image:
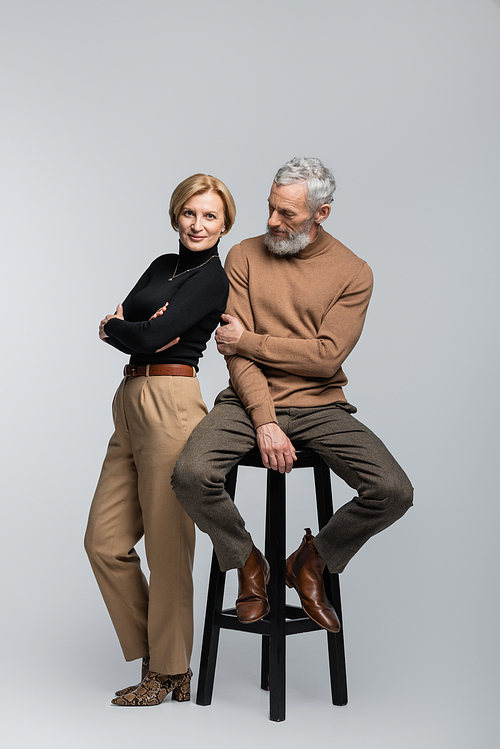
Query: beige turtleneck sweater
[302, 316]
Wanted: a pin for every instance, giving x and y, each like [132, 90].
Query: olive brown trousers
[352, 451]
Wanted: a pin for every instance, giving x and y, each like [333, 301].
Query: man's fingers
[265, 459]
[282, 463]
[276, 461]
[288, 462]
[273, 462]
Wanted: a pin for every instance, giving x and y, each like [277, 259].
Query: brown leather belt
[172, 370]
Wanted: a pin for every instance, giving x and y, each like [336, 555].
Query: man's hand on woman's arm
[228, 335]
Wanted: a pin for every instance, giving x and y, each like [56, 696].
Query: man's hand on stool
[276, 450]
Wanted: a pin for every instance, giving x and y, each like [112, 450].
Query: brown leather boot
[252, 603]
[304, 572]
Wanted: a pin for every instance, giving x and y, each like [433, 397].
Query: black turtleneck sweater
[196, 297]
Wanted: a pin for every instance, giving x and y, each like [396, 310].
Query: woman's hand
[164, 348]
[118, 314]
[159, 311]
[173, 341]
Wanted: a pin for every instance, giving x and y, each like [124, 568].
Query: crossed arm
[119, 316]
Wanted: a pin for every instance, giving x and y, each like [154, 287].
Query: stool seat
[283, 619]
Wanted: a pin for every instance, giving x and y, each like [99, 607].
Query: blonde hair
[198, 184]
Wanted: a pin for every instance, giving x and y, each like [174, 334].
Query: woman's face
[201, 221]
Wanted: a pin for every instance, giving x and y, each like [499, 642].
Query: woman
[164, 324]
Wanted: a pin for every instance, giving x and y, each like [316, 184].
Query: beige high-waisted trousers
[153, 418]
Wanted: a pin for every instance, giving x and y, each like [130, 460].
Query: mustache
[287, 234]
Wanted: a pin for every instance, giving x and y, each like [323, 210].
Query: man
[296, 308]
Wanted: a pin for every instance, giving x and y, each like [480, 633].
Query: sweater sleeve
[117, 345]
[247, 377]
[198, 296]
[323, 355]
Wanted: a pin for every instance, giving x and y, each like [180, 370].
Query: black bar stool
[282, 619]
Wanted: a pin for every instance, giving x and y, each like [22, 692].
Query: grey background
[107, 105]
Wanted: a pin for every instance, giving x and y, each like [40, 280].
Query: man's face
[288, 210]
[290, 227]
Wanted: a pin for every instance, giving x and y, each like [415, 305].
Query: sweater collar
[190, 259]
[321, 242]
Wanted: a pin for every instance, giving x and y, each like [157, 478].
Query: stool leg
[275, 554]
[264, 658]
[264, 664]
[211, 631]
[210, 643]
[336, 651]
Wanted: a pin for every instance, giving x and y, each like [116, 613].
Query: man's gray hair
[320, 181]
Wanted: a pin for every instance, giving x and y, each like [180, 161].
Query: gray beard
[291, 245]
